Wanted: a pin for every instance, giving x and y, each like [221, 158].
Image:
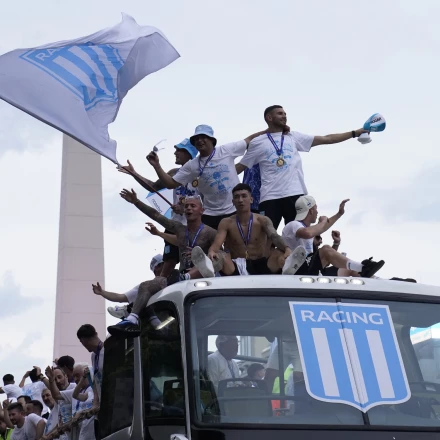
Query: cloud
[13, 302]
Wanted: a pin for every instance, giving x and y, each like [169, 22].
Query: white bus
[362, 357]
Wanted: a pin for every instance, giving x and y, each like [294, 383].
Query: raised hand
[152, 229]
[127, 169]
[342, 207]
[323, 219]
[336, 235]
[38, 370]
[49, 373]
[153, 159]
[6, 404]
[97, 289]
[130, 197]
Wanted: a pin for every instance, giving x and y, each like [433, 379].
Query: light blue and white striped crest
[89, 71]
[350, 354]
[375, 123]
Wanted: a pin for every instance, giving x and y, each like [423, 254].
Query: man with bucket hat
[212, 172]
[184, 152]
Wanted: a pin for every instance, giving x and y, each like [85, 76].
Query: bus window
[326, 361]
[116, 409]
[164, 391]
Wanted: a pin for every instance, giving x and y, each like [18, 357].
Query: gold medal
[195, 183]
[182, 200]
[247, 255]
[280, 162]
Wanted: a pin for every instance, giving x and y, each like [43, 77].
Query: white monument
[80, 250]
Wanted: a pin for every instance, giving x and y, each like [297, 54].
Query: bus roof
[260, 282]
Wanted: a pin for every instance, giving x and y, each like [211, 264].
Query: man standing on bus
[246, 236]
[282, 176]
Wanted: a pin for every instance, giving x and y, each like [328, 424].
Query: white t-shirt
[278, 182]
[65, 406]
[29, 429]
[87, 426]
[34, 390]
[12, 391]
[218, 178]
[219, 368]
[182, 191]
[132, 294]
[52, 420]
[290, 238]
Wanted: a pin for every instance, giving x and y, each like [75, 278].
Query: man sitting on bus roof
[301, 232]
[246, 236]
[195, 232]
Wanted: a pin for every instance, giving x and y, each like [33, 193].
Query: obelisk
[80, 250]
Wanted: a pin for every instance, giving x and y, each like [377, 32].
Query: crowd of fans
[218, 227]
[61, 403]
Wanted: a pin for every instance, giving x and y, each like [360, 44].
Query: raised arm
[111, 296]
[51, 385]
[23, 380]
[323, 225]
[82, 384]
[219, 239]
[337, 138]
[273, 235]
[131, 197]
[164, 177]
[170, 238]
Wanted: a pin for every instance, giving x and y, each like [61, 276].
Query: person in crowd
[252, 177]
[5, 430]
[89, 338]
[247, 235]
[26, 427]
[212, 172]
[35, 407]
[277, 153]
[128, 297]
[9, 388]
[52, 420]
[34, 389]
[184, 152]
[301, 232]
[255, 371]
[221, 364]
[66, 363]
[195, 233]
[24, 401]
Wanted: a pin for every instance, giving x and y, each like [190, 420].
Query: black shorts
[312, 265]
[255, 267]
[214, 220]
[330, 271]
[280, 208]
[170, 252]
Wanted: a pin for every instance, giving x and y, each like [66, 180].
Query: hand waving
[342, 207]
[127, 169]
[130, 197]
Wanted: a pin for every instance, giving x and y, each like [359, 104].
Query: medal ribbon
[206, 163]
[278, 150]
[195, 236]
[240, 229]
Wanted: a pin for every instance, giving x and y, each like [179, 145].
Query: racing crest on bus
[350, 354]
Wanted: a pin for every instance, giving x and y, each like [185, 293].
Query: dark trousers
[280, 208]
[214, 220]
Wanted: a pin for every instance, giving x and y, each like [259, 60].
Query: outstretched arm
[337, 138]
[164, 177]
[219, 239]
[170, 238]
[273, 235]
[111, 296]
[131, 197]
[23, 380]
[253, 136]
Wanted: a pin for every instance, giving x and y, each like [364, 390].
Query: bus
[348, 357]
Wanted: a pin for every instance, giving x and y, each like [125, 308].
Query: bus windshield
[315, 360]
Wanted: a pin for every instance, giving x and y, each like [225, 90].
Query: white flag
[77, 86]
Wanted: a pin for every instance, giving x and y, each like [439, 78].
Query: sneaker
[370, 267]
[202, 263]
[294, 261]
[120, 312]
[124, 329]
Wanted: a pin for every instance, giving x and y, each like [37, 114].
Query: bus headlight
[309, 280]
[341, 281]
[324, 280]
[357, 281]
[201, 284]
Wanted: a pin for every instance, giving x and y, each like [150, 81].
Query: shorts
[280, 208]
[312, 265]
[254, 267]
[330, 271]
[290, 356]
[214, 220]
[170, 252]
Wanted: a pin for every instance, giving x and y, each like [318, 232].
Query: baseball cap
[186, 145]
[207, 130]
[157, 259]
[303, 205]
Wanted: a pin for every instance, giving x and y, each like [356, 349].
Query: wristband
[336, 244]
[353, 134]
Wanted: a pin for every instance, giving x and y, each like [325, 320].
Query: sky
[330, 64]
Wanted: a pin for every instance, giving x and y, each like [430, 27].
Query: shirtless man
[195, 232]
[246, 236]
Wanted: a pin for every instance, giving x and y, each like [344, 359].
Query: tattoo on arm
[273, 235]
[168, 224]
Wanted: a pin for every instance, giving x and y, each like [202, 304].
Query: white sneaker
[202, 263]
[118, 311]
[294, 261]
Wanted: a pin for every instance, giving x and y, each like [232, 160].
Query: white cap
[303, 205]
[157, 259]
